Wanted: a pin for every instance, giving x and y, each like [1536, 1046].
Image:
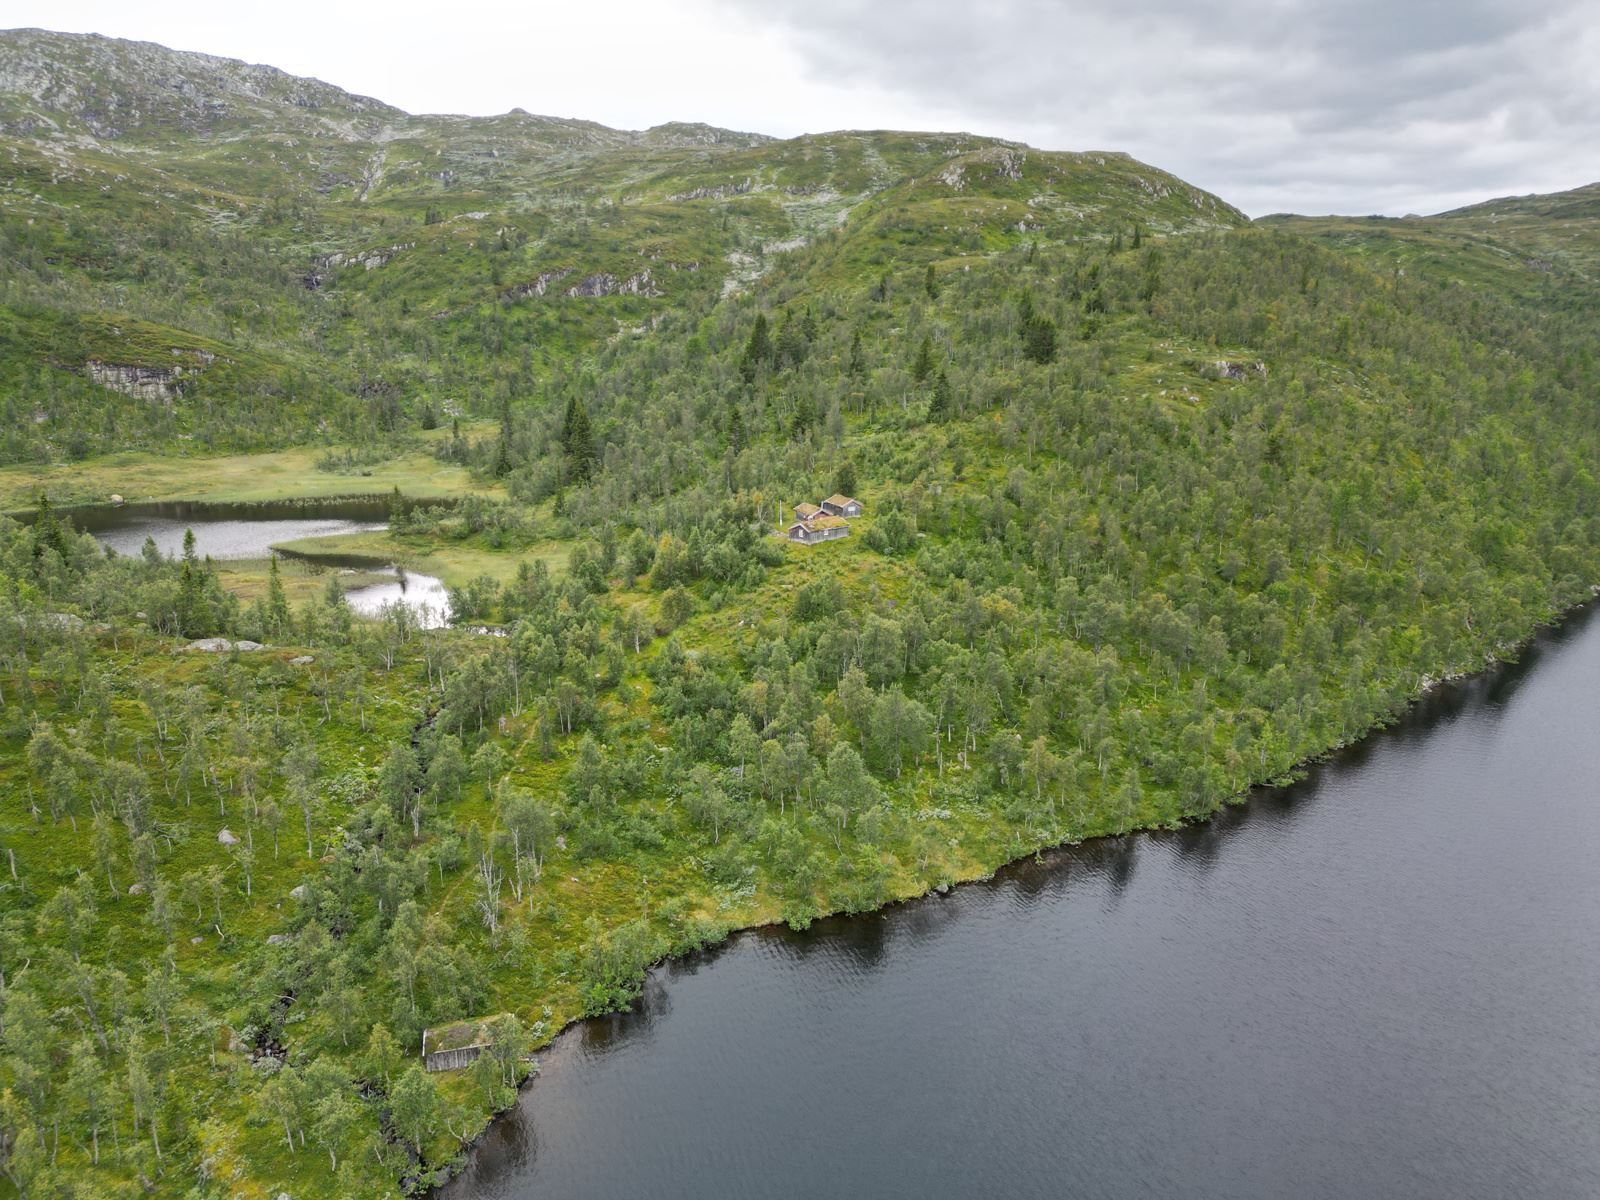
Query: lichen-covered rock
[207, 646]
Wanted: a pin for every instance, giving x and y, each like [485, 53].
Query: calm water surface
[1383, 982]
[226, 531]
[425, 595]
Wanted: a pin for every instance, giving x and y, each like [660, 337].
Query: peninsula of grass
[457, 563]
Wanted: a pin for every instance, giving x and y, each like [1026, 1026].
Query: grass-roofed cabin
[819, 529]
[451, 1047]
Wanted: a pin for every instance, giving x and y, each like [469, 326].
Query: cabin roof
[839, 500]
[827, 522]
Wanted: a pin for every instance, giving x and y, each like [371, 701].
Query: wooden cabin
[841, 506]
[806, 512]
[822, 529]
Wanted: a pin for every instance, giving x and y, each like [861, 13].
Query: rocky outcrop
[112, 89]
[601, 283]
[369, 259]
[142, 383]
[1224, 369]
[606, 284]
[538, 287]
[719, 192]
[1008, 164]
[219, 645]
[1153, 188]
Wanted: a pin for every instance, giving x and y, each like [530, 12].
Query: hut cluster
[823, 522]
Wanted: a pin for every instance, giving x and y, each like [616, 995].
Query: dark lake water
[1383, 982]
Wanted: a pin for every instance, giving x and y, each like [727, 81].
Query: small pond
[226, 531]
[425, 595]
[234, 532]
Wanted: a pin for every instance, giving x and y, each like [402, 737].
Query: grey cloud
[1306, 105]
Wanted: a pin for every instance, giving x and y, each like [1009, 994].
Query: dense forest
[1153, 513]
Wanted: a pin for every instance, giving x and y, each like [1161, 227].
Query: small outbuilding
[806, 511]
[841, 506]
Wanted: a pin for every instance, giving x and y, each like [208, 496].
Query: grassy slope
[277, 475]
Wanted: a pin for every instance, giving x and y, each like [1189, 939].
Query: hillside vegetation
[1158, 505]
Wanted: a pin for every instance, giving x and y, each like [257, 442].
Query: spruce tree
[1039, 339]
[580, 442]
[923, 366]
[757, 351]
[502, 453]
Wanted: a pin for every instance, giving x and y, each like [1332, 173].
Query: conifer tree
[502, 452]
[577, 439]
[757, 351]
[939, 406]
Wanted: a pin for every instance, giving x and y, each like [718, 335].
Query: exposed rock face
[142, 383]
[1223, 369]
[155, 88]
[115, 89]
[602, 284]
[539, 286]
[606, 284]
[369, 259]
[1153, 188]
[639, 285]
[1008, 164]
[720, 192]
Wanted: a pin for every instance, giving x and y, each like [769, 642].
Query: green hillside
[402, 262]
[1159, 505]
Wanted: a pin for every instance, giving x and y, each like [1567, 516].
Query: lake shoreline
[1435, 690]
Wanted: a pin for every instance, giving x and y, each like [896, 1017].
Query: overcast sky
[1352, 106]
